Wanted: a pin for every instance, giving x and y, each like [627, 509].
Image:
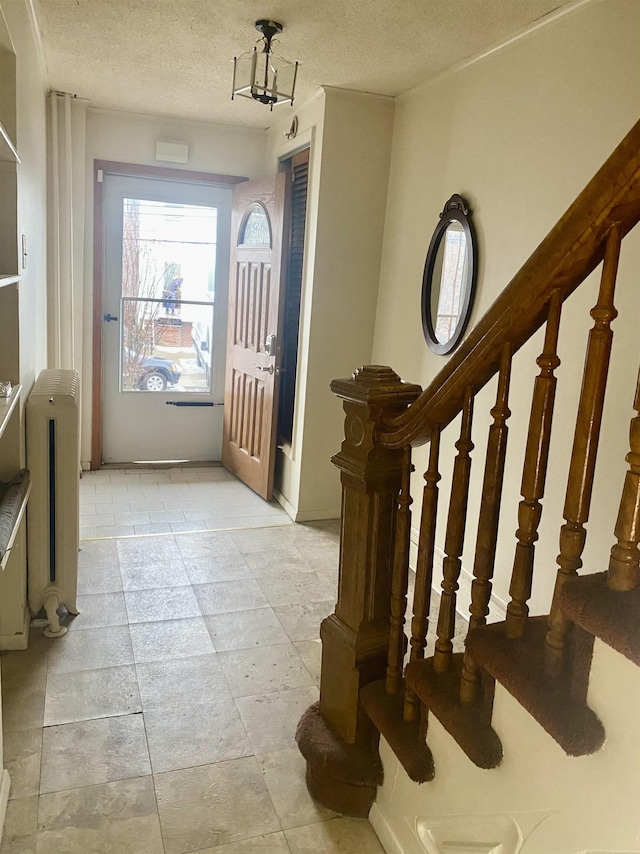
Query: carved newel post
[335, 736]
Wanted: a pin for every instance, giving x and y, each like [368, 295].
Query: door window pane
[164, 352]
[168, 293]
[256, 231]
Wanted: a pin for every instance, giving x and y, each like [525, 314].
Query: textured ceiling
[172, 57]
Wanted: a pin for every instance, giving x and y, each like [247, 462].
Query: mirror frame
[455, 210]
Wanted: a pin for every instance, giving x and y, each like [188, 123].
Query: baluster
[534, 474]
[488, 521]
[400, 579]
[454, 540]
[585, 448]
[424, 569]
[625, 557]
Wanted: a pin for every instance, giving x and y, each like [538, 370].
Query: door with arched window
[254, 332]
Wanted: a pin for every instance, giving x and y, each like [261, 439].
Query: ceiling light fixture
[260, 74]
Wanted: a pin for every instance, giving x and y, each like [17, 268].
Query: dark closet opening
[298, 169]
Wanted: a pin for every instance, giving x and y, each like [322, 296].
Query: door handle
[270, 345]
[268, 368]
[109, 318]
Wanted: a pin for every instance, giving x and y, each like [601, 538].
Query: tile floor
[163, 722]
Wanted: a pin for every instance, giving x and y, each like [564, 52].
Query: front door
[254, 329]
[165, 273]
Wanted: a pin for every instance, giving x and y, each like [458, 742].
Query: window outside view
[168, 289]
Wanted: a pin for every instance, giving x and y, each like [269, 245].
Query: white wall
[539, 800]
[518, 133]
[347, 198]
[130, 138]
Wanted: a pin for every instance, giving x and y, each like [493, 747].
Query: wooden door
[253, 332]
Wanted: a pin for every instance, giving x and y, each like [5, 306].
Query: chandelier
[260, 74]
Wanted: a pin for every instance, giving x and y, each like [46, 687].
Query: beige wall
[131, 138]
[519, 133]
[30, 141]
[22, 105]
[347, 197]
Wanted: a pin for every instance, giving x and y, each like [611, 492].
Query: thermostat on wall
[172, 151]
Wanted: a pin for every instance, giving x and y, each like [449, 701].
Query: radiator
[53, 454]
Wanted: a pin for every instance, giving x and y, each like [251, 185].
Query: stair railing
[386, 417]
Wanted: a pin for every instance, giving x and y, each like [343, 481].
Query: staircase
[519, 675]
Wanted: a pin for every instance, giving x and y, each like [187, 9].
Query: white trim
[288, 508]
[384, 831]
[523, 33]
[367, 96]
[37, 38]
[5, 787]
[316, 515]
[304, 515]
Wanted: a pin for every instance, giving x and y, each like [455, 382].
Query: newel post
[355, 639]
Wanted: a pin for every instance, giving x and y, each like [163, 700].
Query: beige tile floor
[163, 722]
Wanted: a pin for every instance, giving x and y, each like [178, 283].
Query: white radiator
[53, 436]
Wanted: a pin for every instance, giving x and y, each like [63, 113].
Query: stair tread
[607, 614]
[556, 703]
[468, 723]
[405, 739]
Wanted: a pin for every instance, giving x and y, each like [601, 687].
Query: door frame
[133, 170]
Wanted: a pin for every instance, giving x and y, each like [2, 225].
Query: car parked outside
[201, 337]
[157, 374]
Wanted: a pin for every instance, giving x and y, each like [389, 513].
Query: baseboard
[385, 834]
[303, 515]
[316, 515]
[5, 787]
[288, 508]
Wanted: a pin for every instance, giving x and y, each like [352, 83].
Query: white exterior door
[166, 268]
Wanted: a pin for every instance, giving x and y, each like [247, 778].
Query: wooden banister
[534, 474]
[454, 540]
[488, 521]
[567, 255]
[397, 640]
[424, 570]
[625, 557]
[363, 680]
[573, 534]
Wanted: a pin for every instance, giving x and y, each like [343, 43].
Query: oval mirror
[449, 278]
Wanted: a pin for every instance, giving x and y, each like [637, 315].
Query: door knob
[109, 318]
[268, 368]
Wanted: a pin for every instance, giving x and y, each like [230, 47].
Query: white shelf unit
[7, 405]
[19, 516]
[14, 612]
[7, 147]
